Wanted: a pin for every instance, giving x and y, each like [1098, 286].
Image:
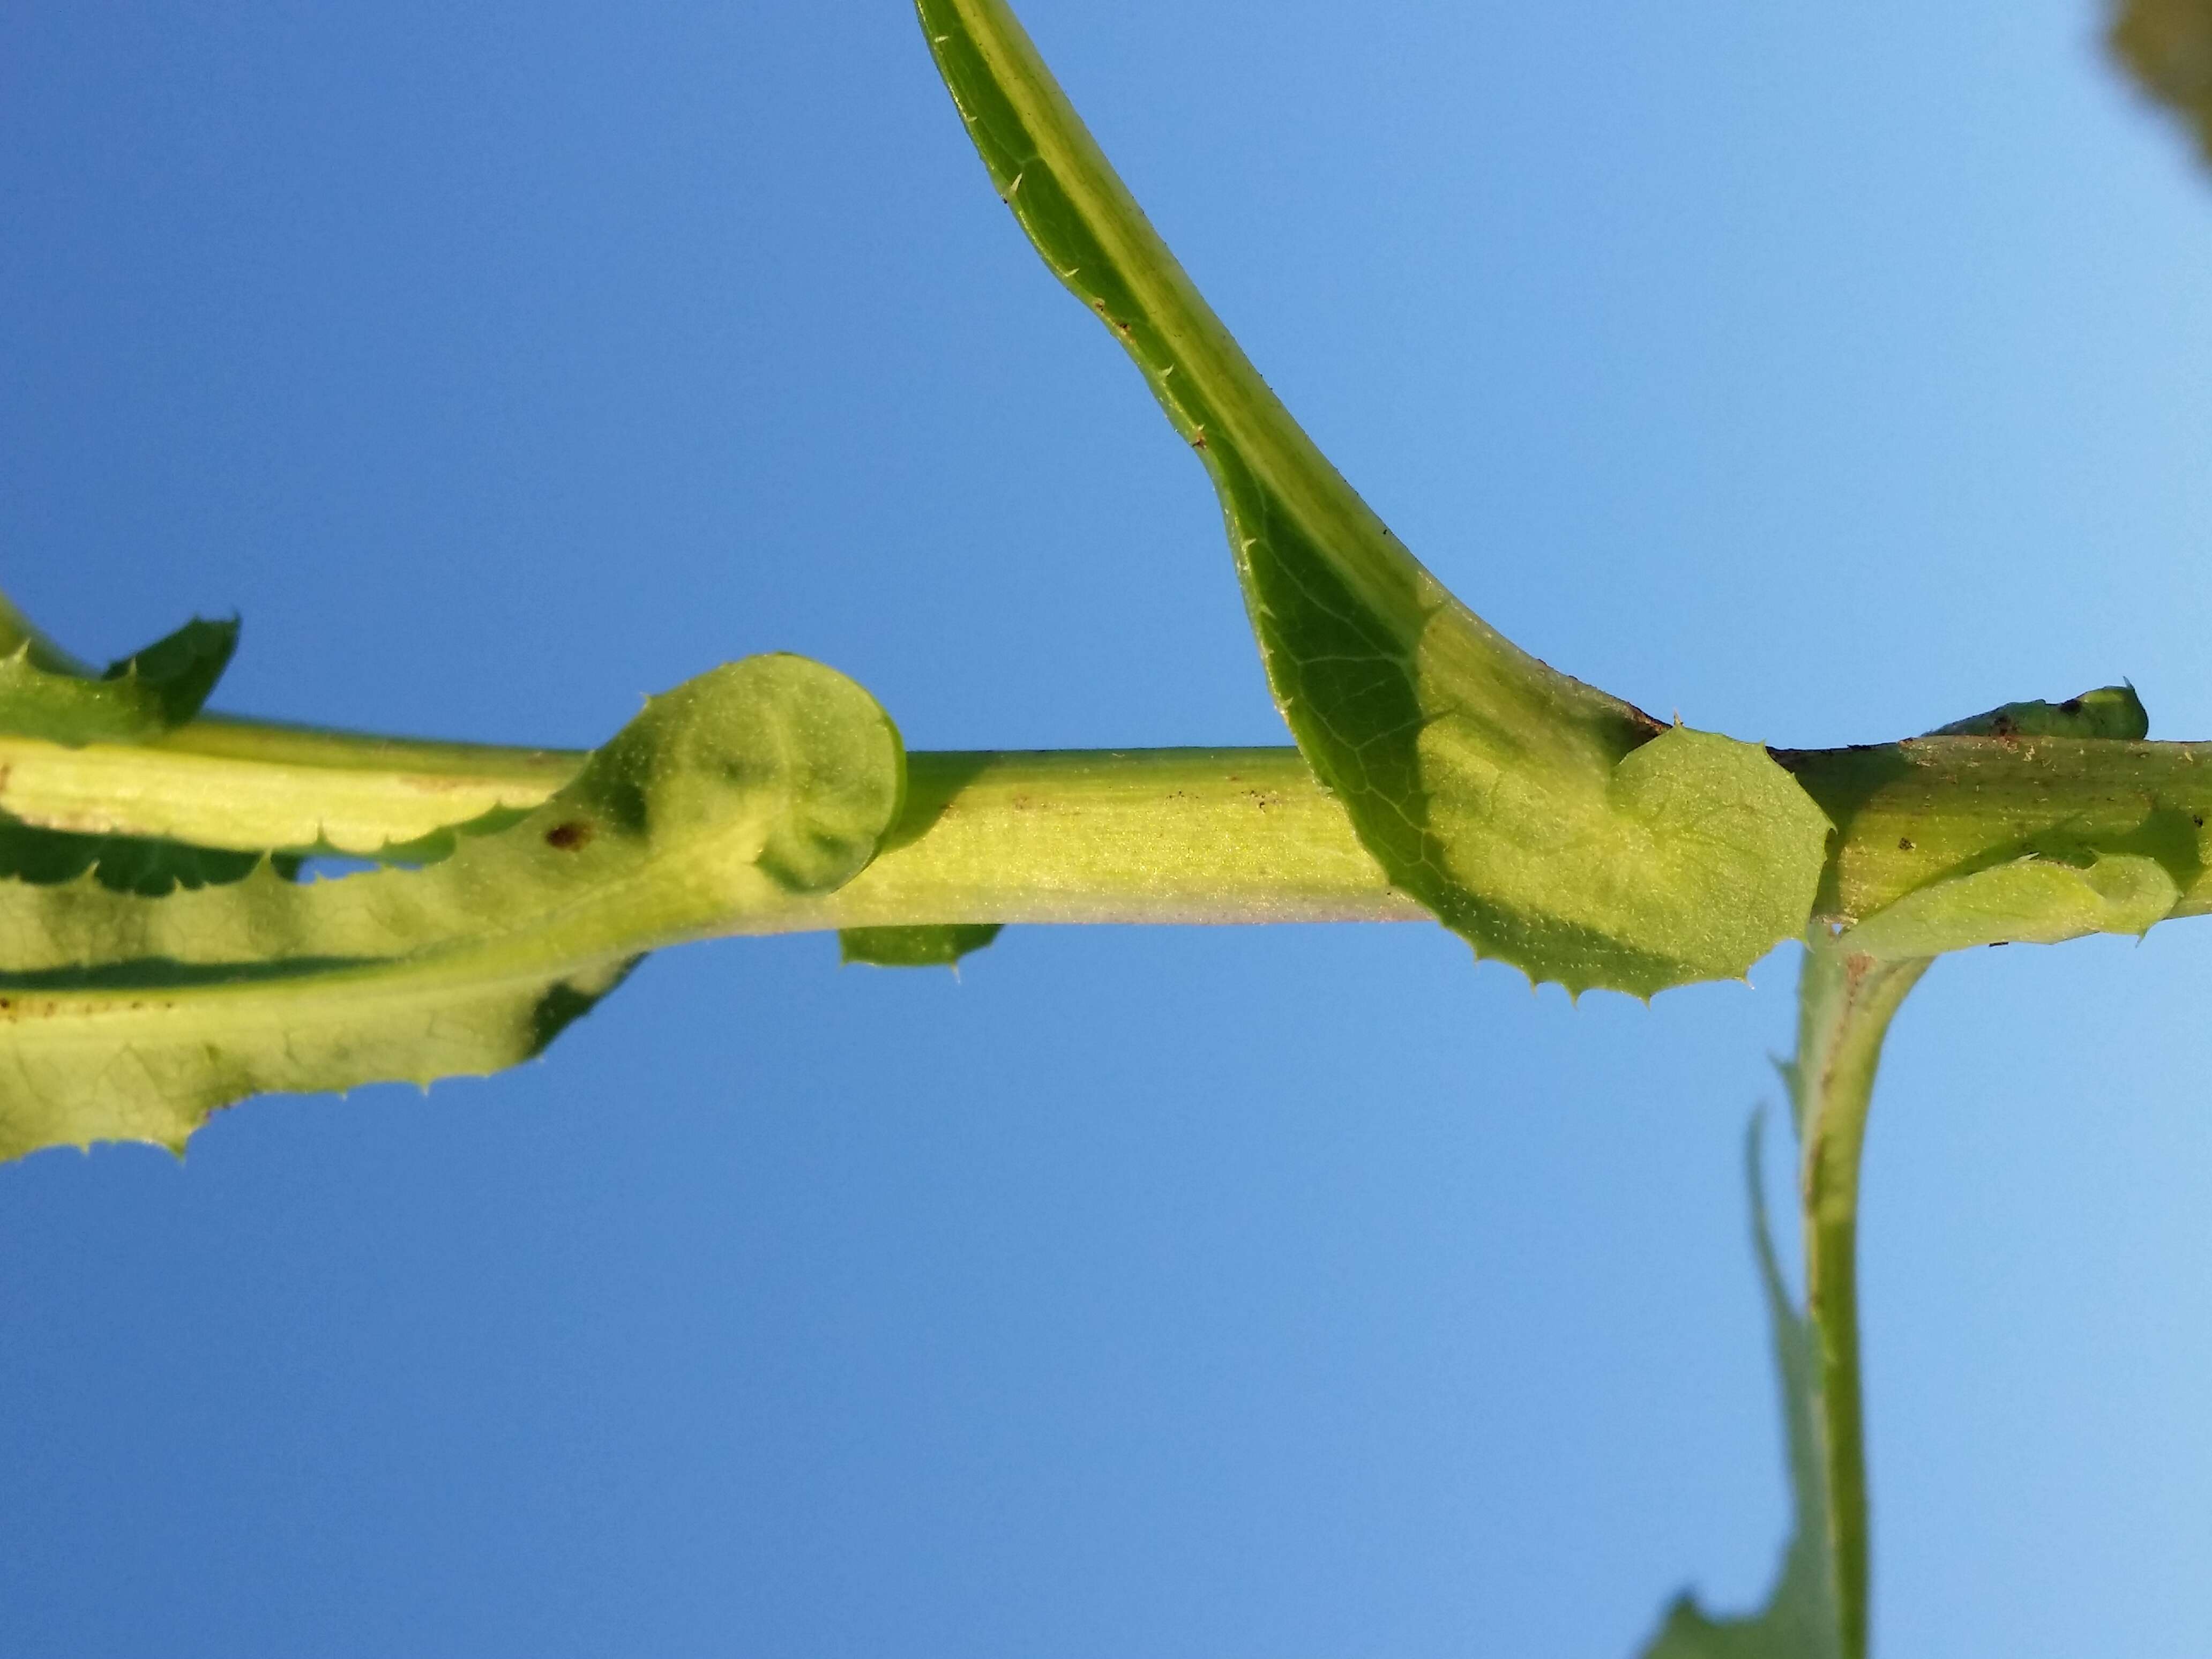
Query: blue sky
[1823, 376]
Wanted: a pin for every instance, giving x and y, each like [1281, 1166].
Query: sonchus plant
[158, 959]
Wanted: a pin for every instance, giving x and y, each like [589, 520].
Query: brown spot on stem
[567, 837]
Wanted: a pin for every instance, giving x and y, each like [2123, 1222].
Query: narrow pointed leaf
[1548, 823]
[1800, 1618]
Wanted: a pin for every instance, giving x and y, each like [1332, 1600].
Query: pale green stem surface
[1139, 835]
[1135, 835]
[250, 786]
[1846, 1002]
[1146, 835]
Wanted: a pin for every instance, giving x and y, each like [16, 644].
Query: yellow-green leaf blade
[123, 1017]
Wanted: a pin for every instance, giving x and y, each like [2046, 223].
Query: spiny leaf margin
[127, 1017]
[46, 693]
[1546, 821]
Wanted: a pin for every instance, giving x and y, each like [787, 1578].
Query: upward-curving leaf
[46, 693]
[1548, 823]
[127, 1017]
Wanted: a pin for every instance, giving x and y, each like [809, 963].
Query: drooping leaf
[2167, 45]
[44, 693]
[940, 945]
[1548, 823]
[1800, 1620]
[123, 1017]
[2110, 711]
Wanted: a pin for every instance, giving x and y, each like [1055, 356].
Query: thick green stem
[1144, 836]
[1846, 1002]
[1234, 835]
[1908, 814]
[1139, 835]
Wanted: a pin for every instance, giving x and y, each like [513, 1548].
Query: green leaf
[2033, 901]
[2110, 711]
[124, 1017]
[44, 693]
[143, 865]
[1800, 1620]
[937, 947]
[1548, 823]
[2167, 45]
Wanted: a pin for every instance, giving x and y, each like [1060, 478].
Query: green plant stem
[1846, 1002]
[1141, 835]
[1909, 813]
[1144, 836]
[1176, 835]
[252, 786]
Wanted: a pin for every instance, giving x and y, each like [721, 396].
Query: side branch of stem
[1845, 1003]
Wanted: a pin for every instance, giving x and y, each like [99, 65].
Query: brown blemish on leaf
[568, 837]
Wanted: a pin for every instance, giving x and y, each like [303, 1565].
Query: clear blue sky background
[1825, 373]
